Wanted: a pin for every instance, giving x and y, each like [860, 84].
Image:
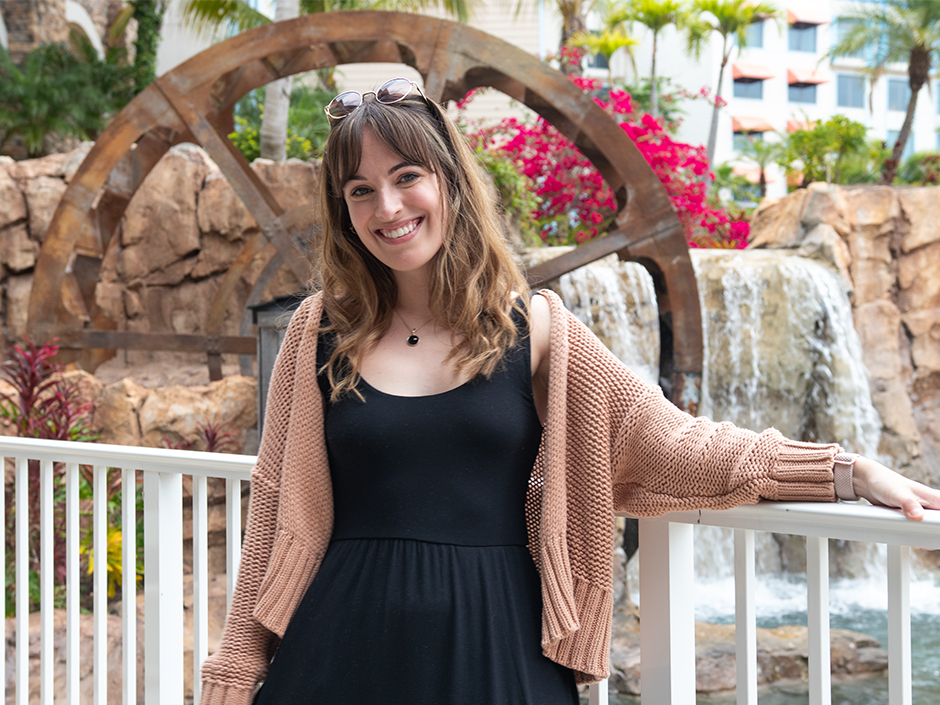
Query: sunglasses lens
[393, 91]
[343, 104]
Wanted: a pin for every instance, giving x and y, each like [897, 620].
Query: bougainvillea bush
[575, 202]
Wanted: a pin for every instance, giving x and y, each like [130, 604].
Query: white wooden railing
[666, 608]
[163, 472]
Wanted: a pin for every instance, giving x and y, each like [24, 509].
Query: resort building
[783, 79]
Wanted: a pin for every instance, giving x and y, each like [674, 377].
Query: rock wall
[178, 237]
[885, 242]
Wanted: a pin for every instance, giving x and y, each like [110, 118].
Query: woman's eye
[409, 178]
[358, 192]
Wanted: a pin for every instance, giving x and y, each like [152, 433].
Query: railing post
[667, 614]
[597, 693]
[899, 625]
[745, 617]
[163, 588]
[817, 620]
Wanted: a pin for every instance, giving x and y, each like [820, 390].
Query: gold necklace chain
[413, 339]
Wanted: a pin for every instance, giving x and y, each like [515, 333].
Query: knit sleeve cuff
[218, 694]
[804, 472]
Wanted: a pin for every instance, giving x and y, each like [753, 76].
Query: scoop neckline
[418, 396]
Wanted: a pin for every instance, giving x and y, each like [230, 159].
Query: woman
[430, 431]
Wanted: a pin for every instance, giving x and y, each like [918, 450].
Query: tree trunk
[763, 184]
[654, 87]
[273, 137]
[571, 26]
[918, 71]
[713, 132]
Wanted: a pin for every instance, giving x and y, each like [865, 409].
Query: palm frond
[208, 16]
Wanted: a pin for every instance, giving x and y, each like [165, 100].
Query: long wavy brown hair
[475, 281]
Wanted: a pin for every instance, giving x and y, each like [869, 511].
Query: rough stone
[176, 412]
[216, 256]
[74, 160]
[294, 182]
[919, 278]
[924, 327]
[782, 655]
[823, 243]
[43, 194]
[12, 201]
[873, 208]
[221, 211]
[114, 650]
[921, 207]
[17, 252]
[778, 225]
[17, 300]
[116, 412]
[826, 203]
[159, 226]
[109, 299]
[51, 165]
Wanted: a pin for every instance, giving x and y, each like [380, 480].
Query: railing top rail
[847, 521]
[185, 462]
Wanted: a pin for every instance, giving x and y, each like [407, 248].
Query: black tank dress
[427, 594]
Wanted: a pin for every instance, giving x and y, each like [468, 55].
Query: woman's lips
[400, 231]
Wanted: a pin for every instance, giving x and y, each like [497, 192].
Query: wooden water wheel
[194, 103]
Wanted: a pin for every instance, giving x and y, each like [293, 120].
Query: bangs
[414, 141]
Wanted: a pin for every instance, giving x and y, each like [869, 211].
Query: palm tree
[761, 153]
[656, 15]
[207, 16]
[894, 31]
[607, 42]
[730, 19]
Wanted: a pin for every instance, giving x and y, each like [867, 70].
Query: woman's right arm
[230, 675]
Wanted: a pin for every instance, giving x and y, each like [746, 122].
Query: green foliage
[307, 124]
[864, 166]
[819, 153]
[729, 188]
[516, 193]
[921, 169]
[56, 92]
[149, 16]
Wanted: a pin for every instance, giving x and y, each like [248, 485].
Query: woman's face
[396, 209]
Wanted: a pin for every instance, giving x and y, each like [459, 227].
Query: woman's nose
[389, 204]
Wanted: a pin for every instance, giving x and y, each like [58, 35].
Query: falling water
[618, 302]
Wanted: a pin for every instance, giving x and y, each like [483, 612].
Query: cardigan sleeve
[663, 459]
[229, 676]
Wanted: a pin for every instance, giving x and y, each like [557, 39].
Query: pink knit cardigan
[611, 442]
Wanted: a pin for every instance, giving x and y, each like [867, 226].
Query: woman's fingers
[881, 485]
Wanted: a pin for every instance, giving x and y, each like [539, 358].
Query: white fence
[666, 610]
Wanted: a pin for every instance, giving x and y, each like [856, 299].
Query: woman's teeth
[399, 232]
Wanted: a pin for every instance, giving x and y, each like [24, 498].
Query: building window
[748, 88]
[843, 27]
[802, 37]
[850, 91]
[754, 35]
[740, 140]
[908, 146]
[899, 94]
[802, 93]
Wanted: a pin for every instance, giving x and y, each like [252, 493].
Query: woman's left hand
[882, 486]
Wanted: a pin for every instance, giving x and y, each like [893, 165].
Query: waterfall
[618, 302]
[780, 350]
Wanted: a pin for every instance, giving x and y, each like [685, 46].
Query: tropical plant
[762, 153]
[207, 16]
[921, 169]
[894, 31]
[819, 152]
[730, 19]
[57, 92]
[655, 15]
[607, 42]
[576, 204]
[149, 15]
[41, 405]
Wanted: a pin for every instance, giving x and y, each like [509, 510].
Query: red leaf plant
[577, 204]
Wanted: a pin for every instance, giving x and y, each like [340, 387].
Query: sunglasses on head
[393, 91]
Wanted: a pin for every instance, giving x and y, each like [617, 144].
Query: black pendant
[413, 340]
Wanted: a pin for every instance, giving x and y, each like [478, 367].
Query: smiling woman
[432, 507]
